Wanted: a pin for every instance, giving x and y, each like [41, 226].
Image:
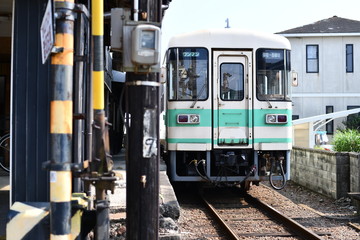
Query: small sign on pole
[47, 32]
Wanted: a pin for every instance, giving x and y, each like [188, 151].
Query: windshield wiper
[265, 96]
[197, 97]
[267, 100]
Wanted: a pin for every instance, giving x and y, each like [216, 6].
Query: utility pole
[142, 95]
[61, 122]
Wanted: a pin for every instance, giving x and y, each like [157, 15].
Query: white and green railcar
[228, 109]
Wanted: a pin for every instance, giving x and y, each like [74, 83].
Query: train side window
[273, 79]
[187, 74]
[232, 81]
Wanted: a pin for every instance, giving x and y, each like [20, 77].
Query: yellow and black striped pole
[101, 162]
[98, 157]
[97, 10]
[61, 122]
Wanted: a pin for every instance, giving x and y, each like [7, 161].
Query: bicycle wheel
[277, 176]
[5, 152]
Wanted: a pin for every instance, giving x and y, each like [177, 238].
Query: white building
[326, 55]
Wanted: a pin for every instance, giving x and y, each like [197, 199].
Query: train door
[232, 99]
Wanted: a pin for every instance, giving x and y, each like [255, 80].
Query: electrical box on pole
[146, 45]
[138, 42]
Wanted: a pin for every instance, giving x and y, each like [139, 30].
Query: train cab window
[273, 75]
[187, 74]
[232, 81]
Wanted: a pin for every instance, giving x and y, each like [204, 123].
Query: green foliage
[352, 122]
[347, 140]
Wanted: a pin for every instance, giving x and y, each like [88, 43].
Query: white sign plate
[47, 33]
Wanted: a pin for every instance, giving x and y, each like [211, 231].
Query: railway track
[234, 213]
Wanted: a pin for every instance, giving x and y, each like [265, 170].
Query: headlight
[276, 118]
[194, 118]
[188, 118]
[270, 118]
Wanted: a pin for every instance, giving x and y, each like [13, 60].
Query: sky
[261, 15]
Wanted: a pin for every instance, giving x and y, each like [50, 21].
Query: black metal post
[142, 100]
[79, 93]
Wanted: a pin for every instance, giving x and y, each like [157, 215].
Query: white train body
[228, 105]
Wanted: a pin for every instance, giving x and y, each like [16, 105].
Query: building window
[349, 58]
[352, 117]
[329, 125]
[312, 58]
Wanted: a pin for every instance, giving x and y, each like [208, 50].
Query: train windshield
[187, 74]
[273, 75]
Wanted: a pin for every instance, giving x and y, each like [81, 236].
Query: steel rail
[229, 230]
[290, 224]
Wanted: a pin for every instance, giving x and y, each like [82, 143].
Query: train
[228, 107]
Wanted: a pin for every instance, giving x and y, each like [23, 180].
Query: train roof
[229, 38]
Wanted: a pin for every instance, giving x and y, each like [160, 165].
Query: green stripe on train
[205, 117]
[189, 140]
[261, 140]
[228, 117]
[233, 118]
[208, 140]
[260, 114]
[272, 140]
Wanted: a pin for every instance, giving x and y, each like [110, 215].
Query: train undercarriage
[229, 167]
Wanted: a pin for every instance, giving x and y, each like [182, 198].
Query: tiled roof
[330, 25]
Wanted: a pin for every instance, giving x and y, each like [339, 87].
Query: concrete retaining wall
[354, 172]
[326, 172]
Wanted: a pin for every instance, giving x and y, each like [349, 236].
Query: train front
[228, 115]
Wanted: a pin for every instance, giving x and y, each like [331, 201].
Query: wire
[197, 170]
[282, 176]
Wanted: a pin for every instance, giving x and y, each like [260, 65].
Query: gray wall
[354, 172]
[322, 171]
